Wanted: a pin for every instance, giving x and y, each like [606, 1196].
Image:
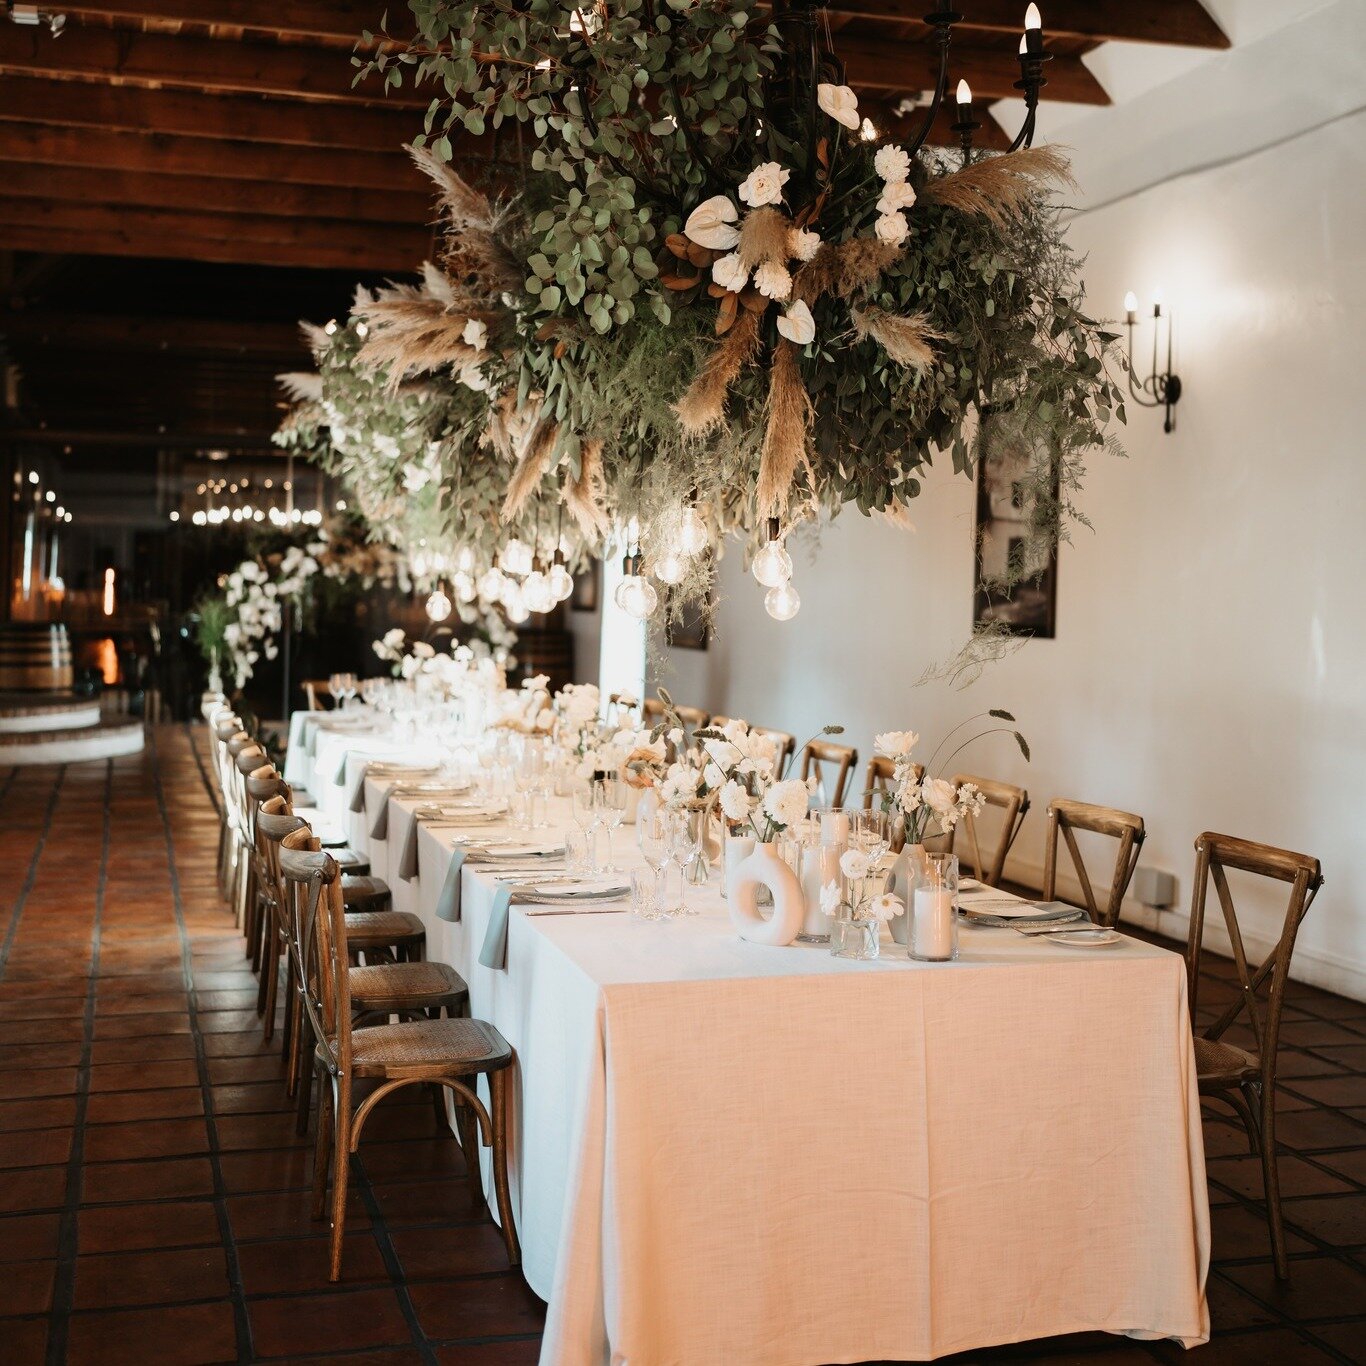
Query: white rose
[763, 185]
[896, 744]
[938, 794]
[839, 102]
[773, 281]
[476, 334]
[891, 227]
[710, 224]
[896, 197]
[803, 244]
[729, 273]
[797, 324]
[854, 864]
[892, 163]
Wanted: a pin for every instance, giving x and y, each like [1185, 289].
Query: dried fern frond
[999, 188]
[704, 405]
[905, 339]
[789, 422]
[764, 236]
[302, 386]
[585, 496]
[531, 468]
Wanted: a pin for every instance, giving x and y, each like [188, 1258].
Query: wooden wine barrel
[35, 656]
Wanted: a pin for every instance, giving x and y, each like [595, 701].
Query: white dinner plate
[1093, 938]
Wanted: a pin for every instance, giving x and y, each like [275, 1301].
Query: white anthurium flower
[773, 281]
[729, 273]
[830, 898]
[891, 227]
[476, 334]
[896, 744]
[892, 163]
[804, 244]
[896, 196]
[854, 864]
[840, 103]
[764, 185]
[712, 224]
[797, 324]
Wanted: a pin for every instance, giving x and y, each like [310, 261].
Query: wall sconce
[1160, 389]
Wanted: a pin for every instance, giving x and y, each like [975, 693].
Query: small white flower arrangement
[854, 895]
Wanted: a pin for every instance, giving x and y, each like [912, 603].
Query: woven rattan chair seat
[371, 928]
[458, 1045]
[364, 893]
[409, 985]
[1222, 1064]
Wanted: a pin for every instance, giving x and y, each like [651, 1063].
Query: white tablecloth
[730, 1153]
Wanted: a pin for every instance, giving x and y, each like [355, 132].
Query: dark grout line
[13, 928]
[64, 1278]
[241, 1319]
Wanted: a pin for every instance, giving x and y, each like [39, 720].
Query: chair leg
[498, 1095]
[270, 972]
[341, 1167]
[322, 1148]
[1244, 1107]
[303, 1043]
[1271, 1185]
[468, 1130]
[293, 1010]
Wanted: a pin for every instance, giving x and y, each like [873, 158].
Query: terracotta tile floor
[152, 1191]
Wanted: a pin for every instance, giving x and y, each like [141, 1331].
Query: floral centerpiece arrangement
[924, 801]
[856, 896]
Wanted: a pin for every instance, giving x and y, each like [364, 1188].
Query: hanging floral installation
[715, 301]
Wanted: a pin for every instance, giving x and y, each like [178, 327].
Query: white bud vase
[763, 868]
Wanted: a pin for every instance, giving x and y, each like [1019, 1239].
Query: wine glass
[584, 807]
[336, 685]
[611, 811]
[350, 686]
[685, 841]
[653, 840]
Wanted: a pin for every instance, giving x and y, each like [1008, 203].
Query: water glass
[645, 886]
[578, 851]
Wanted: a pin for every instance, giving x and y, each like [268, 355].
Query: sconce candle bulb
[1162, 387]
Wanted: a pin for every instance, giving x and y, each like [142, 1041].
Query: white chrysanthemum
[891, 227]
[736, 803]
[892, 163]
[729, 273]
[773, 281]
[764, 185]
[785, 803]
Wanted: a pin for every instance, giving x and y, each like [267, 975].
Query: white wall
[1210, 666]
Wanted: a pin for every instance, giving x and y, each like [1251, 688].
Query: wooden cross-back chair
[1013, 804]
[244, 755]
[879, 776]
[1065, 817]
[843, 758]
[449, 1053]
[784, 744]
[223, 726]
[319, 695]
[1245, 1078]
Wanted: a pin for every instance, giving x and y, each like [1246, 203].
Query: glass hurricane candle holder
[934, 921]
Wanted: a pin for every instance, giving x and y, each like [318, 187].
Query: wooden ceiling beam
[1180, 23]
[872, 64]
[333, 19]
[379, 257]
[902, 127]
[241, 118]
[289, 72]
[209, 194]
[392, 242]
[173, 155]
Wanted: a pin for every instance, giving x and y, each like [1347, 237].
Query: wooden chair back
[1214, 855]
[1066, 817]
[316, 690]
[784, 745]
[693, 718]
[818, 756]
[1013, 803]
[878, 778]
[312, 882]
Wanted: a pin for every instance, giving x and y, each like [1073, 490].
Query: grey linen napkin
[494, 954]
[448, 901]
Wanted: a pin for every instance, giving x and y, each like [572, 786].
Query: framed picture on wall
[686, 626]
[587, 585]
[1016, 581]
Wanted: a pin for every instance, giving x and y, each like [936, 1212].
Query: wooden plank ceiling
[229, 132]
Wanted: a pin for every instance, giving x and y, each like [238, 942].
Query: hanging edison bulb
[515, 558]
[419, 562]
[692, 532]
[640, 598]
[439, 605]
[491, 584]
[464, 559]
[772, 565]
[517, 611]
[536, 590]
[670, 567]
[560, 579]
[783, 602]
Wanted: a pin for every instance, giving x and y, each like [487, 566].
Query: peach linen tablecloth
[726, 1153]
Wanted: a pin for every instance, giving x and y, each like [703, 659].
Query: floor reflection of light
[107, 660]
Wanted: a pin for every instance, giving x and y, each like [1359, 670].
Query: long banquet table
[724, 1152]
